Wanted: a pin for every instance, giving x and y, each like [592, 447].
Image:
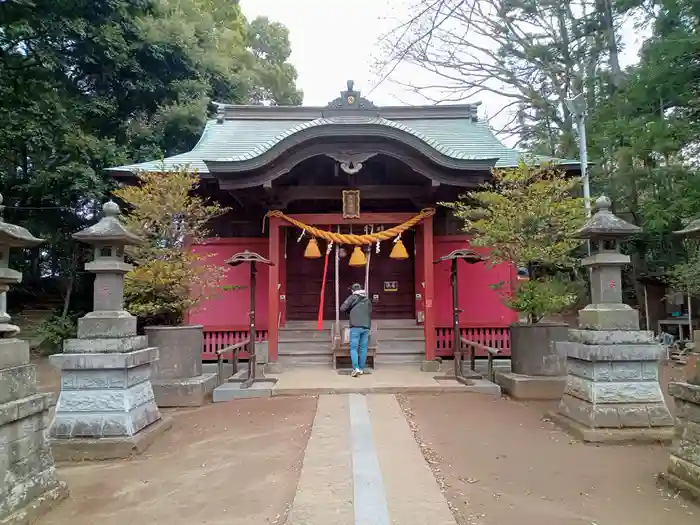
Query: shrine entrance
[391, 281]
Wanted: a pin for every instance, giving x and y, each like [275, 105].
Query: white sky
[334, 41]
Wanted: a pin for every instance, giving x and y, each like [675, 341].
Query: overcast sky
[334, 41]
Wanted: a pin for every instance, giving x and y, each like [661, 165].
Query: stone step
[301, 347]
[304, 334]
[397, 323]
[398, 358]
[400, 333]
[302, 360]
[229, 391]
[401, 347]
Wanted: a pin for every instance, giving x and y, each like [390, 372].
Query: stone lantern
[29, 483]
[604, 231]
[106, 408]
[612, 388]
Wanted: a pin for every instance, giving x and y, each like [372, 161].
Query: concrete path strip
[325, 491]
[412, 493]
[363, 467]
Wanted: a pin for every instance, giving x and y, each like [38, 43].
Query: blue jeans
[359, 341]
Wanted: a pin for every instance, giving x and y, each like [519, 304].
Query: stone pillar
[106, 408]
[683, 471]
[29, 485]
[612, 390]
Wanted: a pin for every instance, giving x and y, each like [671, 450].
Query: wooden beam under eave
[295, 193]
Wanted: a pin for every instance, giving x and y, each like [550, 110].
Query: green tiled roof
[244, 139]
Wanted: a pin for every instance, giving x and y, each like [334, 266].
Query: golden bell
[312, 251]
[398, 251]
[358, 257]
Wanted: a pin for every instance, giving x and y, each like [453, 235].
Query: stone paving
[364, 465]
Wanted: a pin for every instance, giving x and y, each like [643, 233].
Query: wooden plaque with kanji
[351, 204]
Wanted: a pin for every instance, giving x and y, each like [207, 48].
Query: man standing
[359, 309]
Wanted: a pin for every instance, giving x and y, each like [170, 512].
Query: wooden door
[304, 279]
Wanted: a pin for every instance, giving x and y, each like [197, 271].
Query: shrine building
[350, 168]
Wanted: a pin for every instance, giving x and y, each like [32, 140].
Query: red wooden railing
[218, 337]
[492, 337]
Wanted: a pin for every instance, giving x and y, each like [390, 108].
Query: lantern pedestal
[612, 388]
[683, 469]
[106, 408]
[29, 486]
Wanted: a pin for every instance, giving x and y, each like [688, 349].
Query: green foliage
[169, 277]
[86, 85]
[537, 298]
[528, 216]
[55, 330]
[645, 136]
[684, 276]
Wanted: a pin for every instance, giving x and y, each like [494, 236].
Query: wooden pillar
[283, 276]
[429, 289]
[273, 294]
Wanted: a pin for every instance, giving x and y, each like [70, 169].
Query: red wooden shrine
[300, 160]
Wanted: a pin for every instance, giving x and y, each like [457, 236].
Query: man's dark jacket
[359, 309]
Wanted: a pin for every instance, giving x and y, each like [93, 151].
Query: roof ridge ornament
[351, 99]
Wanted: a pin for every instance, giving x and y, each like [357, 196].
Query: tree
[86, 85]
[646, 138]
[528, 216]
[533, 54]
[169, 277]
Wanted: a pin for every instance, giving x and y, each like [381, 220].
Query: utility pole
[577, 107]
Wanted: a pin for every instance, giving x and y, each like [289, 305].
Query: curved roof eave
[349, 127]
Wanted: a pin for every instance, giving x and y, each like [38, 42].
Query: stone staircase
[399, 342]
[302, 344]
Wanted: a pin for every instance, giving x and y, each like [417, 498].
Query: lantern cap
[463, 253]
[692, 229]
[15, 236]
[606, 224]
[108, 229]
[248, 257]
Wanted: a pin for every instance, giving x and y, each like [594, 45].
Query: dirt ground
[229, 463]
[500, 462]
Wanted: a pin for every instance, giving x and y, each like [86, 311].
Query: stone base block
[191, 392]
[520, 386]
[608, 316]
[13, 352]
[612, 435]
[685, 489]
[106, 324]
[430, 366]
[104, 345]
[273, 367]
[230, 391]
[109, 448]
[38, 507]
[682, 476]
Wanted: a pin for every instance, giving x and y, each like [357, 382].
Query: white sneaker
[355, 372]
[360, 371]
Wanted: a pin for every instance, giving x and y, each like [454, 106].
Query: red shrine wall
[482, 306]
[230, 308]
[484, 319]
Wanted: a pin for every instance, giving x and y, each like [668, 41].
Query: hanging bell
[312, 251]
[399, 250]
[358, 257]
